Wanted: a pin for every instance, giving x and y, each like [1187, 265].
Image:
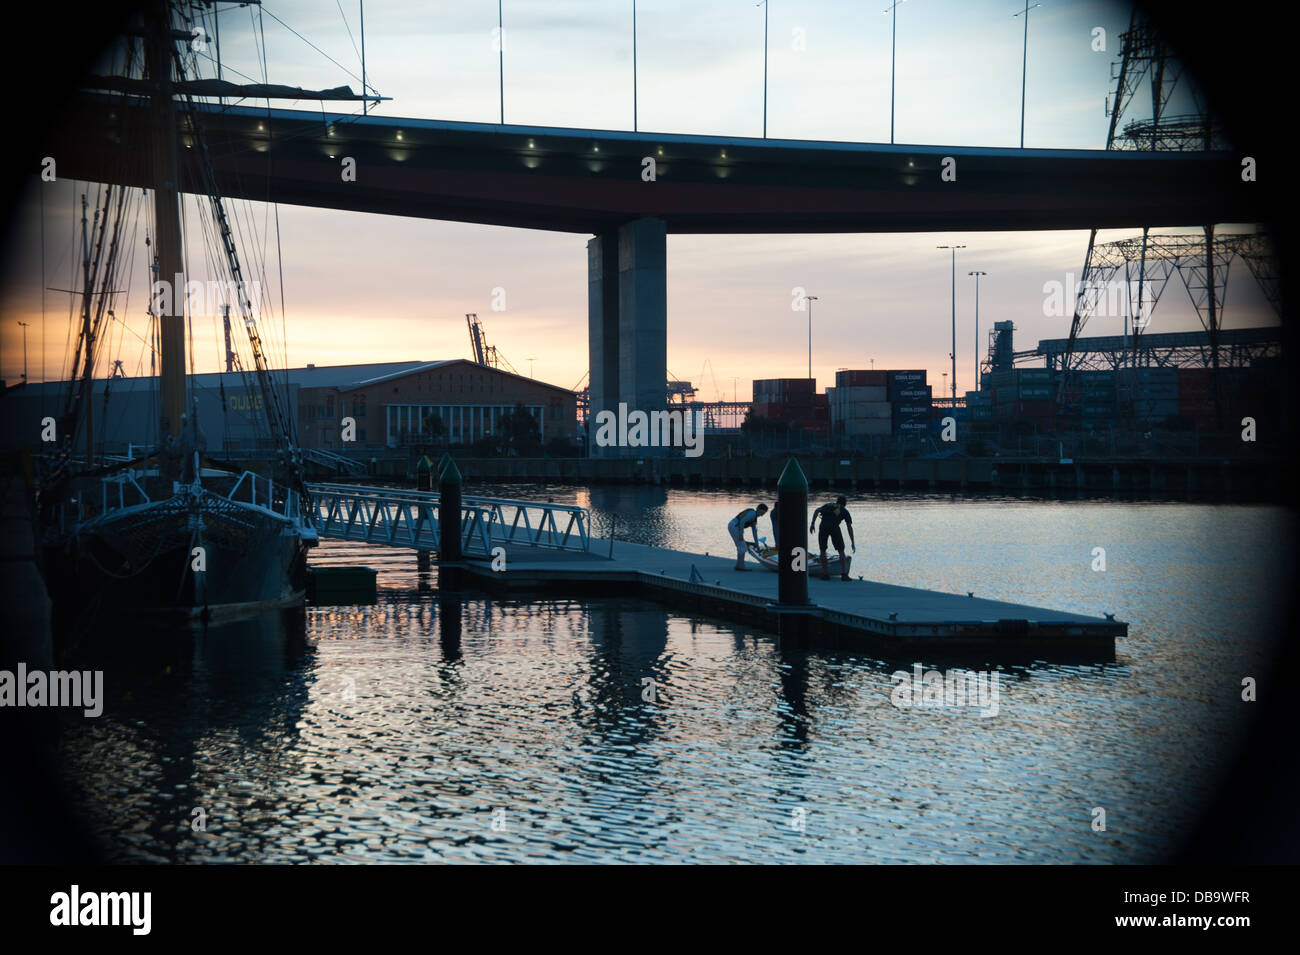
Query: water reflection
[196, 727]
[442, 725]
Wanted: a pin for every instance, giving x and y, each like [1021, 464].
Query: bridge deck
[856, 613]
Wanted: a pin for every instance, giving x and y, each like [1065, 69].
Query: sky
[369, 288]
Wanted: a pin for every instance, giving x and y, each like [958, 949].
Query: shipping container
[864, 393]
[868, 409]
[1026, 409]
[902, 380]
[912, 394]
[773, 389]
[867, 426]
[858, 379]
[1025, 376]
[1036, 392]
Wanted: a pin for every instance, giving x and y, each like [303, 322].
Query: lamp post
[633, 68]
[763, 4]
[953, 356]
[24, 326]
[1024, 65]
[811, 299]
[893, 35]
[501, 62]
[977, 326]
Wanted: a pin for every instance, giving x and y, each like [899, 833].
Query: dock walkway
[854, 613]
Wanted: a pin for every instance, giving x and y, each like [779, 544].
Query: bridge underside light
[722, 172]
[595, 165]
[398, 155]
[532, 162]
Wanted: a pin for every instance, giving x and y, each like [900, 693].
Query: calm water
[434, 728]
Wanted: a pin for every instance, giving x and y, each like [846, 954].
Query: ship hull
[205, 558]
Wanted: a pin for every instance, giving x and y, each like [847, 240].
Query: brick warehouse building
[388, 400]
[390, 407]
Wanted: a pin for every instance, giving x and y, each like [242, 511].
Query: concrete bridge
[629, 190]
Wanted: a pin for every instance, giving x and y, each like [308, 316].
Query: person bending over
[746, 518]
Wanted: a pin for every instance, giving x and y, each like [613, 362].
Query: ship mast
[167, 231]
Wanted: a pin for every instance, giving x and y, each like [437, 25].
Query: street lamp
[893, 34]
[763, 4]
[501, 62]
[1024, 65]
[811, 299]
[633, 68]
[953, 356]
[530, 365]
[977, 326]
[24, 325]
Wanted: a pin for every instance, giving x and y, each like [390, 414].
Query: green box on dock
[341, 585]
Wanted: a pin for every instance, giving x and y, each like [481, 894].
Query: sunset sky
[372, 288]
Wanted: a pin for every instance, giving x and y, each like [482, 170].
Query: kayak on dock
[767, 558]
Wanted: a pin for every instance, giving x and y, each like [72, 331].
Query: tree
[518, 433]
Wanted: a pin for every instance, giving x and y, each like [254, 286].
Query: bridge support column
[627, 322]
[602, 333]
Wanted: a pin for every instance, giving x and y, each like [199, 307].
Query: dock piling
[792, 534]
[449, 503]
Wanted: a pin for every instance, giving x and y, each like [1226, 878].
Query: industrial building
[1152, 381]
[391, 403]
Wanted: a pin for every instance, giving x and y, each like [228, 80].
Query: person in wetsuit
[832, 516]
[736, 528]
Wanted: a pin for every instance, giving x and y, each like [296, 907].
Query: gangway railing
[402, 518]
[330, 459]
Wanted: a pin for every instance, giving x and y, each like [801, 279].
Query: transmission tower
[1146, 57]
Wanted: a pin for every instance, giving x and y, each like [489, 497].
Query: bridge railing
[403, 518]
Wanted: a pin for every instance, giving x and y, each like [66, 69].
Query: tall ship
[169, 529]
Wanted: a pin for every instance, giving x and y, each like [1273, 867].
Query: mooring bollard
[792, 535]
[449, 500]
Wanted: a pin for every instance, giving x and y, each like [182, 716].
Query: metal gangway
[402, 518]
[337, 462]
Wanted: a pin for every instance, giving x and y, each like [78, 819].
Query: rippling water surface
[434, 727]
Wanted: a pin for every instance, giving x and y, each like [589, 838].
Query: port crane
[485, 354]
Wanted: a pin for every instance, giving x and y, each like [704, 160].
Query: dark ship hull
[195, 555]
